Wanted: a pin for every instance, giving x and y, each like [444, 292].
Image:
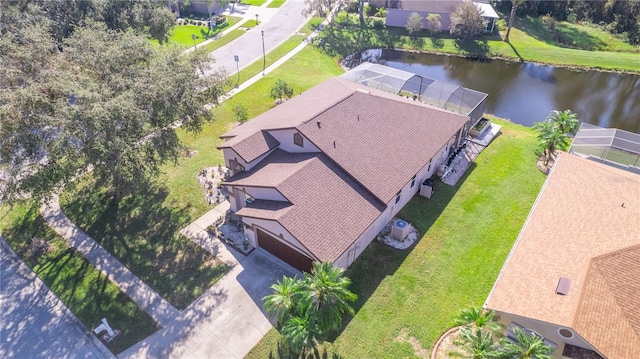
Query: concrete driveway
[226, 321]
[34, 323]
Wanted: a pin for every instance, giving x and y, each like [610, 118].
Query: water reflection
[526, 93]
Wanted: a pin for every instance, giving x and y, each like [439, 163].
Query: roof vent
[319, 124]
[563, 286]
[363, 91]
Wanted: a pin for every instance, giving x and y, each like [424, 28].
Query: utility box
[426, 189]
[400, 229]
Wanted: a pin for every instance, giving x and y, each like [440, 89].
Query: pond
[526, 93]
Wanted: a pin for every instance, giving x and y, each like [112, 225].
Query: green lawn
[253, 2]
[182, 34]
[276, 3]
[142, 232]
[218, 43]
[89, 294]
[249, 24]
[528, 42]
[468, 232]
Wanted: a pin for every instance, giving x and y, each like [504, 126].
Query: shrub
[382, 12]
[370, 10]
[378, 24]
[352, 7]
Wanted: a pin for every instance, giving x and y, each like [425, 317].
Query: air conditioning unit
[426, 189]
[400, 229]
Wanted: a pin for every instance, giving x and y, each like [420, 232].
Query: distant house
[573, 275]
[319, 176]
[398, 11]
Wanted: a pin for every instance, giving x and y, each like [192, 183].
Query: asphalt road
[34, 323]
[278, 25]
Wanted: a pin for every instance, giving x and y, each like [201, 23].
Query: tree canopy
[414, 24]
[466, 21]
[101, 98]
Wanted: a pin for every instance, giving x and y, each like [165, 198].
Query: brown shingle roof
[441, 6]
[579, 219]
[609, 309]
[255, 145]
[394, 138]
[382, 139]
[328, 209]
[260, 208]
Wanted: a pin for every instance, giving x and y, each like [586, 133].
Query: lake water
[526, 93]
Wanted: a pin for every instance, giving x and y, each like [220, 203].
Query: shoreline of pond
[484, 58]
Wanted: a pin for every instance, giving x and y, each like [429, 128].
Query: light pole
[236, 58]
[257, 22]
[264, 59]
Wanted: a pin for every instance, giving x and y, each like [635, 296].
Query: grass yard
[529, 41]
[276, 3]
[468, 232]
[218, 43]
[249, 24]
[89, 294]
[253, 2]
[182, 34]
[142, 232]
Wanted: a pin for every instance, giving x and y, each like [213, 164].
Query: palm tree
[483, 319]
[550, 138]
[326, 297]
[567, 120]
[514, 8]
[476, 343]
[281, 305]
[300, 335]
[526, 347]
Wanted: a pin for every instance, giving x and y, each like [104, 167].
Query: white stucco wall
[285, 137]
[267, 193]
[230, 154]
[547, 330]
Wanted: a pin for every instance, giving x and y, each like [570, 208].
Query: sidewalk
[34, 322]
[146, 298]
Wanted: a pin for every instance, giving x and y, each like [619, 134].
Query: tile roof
[328, 210]
[584, 226]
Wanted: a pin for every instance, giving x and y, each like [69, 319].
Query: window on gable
[398, 195]
[297, 139]
[429, 169]
[413, 181]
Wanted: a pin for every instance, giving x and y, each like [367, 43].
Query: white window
[398, 195]
[413, 181]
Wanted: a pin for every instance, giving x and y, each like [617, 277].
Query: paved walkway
[146, 298]
[227, 321]
[34, 323]
[197, 232]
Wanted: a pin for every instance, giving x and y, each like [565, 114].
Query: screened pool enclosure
[614, 147]
[429, 91]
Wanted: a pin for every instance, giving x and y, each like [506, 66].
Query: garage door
[284, 252]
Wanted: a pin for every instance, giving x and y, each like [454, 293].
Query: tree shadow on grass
[473, 48]
[282, 352]
[142, 231]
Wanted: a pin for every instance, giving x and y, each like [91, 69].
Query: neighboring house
[319, 176]
[398, 11]
[573, 275]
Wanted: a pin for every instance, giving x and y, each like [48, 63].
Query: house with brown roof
[573, 275]
[318, 177]
[398, 11]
